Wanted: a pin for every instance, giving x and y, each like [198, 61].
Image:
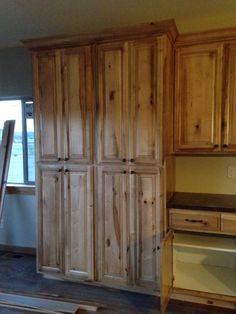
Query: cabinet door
[198, 98]
[78, 211]
[49, 218]
[112, 244]
[112, 102]
[229, 125]
[48, 114]
[145, 224]
[166, 270]
[145, 112]
[78, 93]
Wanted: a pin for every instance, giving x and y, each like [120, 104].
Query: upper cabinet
[64, 104]
[129, 102]
[198, 98]
[205, 94]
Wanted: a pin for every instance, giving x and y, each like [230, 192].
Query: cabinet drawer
[194, 220]
[228, 223]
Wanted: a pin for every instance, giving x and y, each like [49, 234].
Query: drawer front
[197, 220]
[228, 223]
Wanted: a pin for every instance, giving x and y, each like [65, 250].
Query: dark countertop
[203, 201]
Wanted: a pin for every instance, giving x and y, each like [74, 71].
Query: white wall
[19, 224]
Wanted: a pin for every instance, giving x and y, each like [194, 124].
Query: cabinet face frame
[50, 230]
[228, 120]
[79, 221]
[112, 76]
[48, 105]
[78, 103]
[207, 52]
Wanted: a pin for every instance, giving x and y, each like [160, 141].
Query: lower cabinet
[65, 218]
[198, 268]
[205, 263]
[128, 233]
[125, 225]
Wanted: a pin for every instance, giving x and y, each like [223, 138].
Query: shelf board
[206, 278]
[214, 243]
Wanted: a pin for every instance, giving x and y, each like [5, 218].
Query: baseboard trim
[18, 249]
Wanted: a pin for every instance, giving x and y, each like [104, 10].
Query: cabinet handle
[66, 159]
[124, 159]
[132, 172]
[58, 159]
[60, 170]
[124, 172]
[196, 221]
[225, 145]
[215, 145]
[67, 170]
[131, 160]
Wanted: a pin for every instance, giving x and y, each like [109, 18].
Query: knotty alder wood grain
[113, 102]
[50, 243]
[78, 104]
[47, 103]
[198, 98]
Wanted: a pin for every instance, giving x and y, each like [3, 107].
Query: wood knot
[112, 95]
[108, 242]
[197, 126]
[145, 202]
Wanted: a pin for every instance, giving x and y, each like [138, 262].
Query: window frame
[23, 101]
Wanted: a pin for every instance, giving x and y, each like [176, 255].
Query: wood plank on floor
[44, 305]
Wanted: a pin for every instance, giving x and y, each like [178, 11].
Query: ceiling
[23, 19]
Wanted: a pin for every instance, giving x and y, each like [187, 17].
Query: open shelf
[211, 242]
[206, 278]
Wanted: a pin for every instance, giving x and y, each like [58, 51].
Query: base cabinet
[66, 220]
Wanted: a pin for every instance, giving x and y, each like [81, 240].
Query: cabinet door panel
[47, 91]
[78, 90]
[112, 224]
[145, 110]
[112, 106]
[198, 98]
[229, 125]
[49, 219]
[79, 222]
[146, 205]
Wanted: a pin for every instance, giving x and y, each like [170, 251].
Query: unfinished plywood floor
[18, 273]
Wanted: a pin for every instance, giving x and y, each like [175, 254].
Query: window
[22, 163]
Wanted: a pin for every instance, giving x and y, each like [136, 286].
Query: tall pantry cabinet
[103, 105]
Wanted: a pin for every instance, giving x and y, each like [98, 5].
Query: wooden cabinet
[78, 216]
[198, 98]
[205, 95]
[108, 158]
[145, 116]
[64, 129]
[50, 231]
[113, 102]
[64, 101]
[129, 113]
[65, 220]
[113, 224]
[78, 106]
[48, 105]
[145, 214]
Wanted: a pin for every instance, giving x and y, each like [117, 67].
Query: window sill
[20, 189]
